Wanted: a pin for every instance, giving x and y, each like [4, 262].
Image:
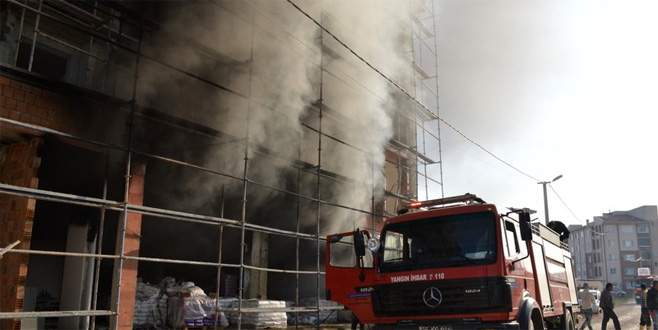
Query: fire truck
[454, 263]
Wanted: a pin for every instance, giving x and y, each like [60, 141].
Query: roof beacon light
[466, 198]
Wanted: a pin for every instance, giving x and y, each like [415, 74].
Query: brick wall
[128, 284]
[19, 167]
[33, 105]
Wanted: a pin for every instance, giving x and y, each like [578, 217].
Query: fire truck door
[539, 264]
[571, 280]
[346, 278]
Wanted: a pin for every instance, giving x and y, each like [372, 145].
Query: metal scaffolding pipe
[31, 315]
[186, 164]
[151, 211]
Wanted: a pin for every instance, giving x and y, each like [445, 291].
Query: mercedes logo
[432, 297]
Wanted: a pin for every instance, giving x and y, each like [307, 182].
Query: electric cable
[411, 97]
[564, 203]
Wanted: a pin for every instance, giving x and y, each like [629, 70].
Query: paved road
[628, 313]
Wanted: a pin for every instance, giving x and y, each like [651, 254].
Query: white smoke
[269, 52]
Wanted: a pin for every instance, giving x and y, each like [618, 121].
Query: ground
[627, 311]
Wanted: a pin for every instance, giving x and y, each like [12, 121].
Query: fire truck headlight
[373, 244]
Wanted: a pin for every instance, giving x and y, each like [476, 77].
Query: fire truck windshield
[450, 241]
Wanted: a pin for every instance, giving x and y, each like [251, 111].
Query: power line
[405, 92]
[564, 203]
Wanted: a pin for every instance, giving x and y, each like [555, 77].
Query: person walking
[608, 308]
[586, 302]
[645, 318]
[652, 303]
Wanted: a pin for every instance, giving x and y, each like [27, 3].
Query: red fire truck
[454, 263]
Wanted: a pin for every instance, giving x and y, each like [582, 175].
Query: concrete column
[128, 284]
[259, 258]
[77, 276]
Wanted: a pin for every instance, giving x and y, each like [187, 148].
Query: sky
[553, 87]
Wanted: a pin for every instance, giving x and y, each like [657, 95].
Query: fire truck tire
[536, 321]
[568, 321]
[529, 315]
[356, 324]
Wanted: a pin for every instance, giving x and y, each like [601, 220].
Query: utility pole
[544, 183]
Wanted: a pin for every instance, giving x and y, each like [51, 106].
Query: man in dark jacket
[608, 307]
[645, 318]
[652, 303]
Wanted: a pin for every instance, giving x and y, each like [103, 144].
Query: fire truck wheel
[567, 320]
[536, 321]
[356, 324]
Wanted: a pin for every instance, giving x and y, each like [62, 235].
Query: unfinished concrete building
[212, 142]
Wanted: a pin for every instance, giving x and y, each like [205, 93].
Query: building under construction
[213, 142]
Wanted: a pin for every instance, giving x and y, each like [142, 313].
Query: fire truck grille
[442, 297]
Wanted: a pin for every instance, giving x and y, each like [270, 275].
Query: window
[613, 270]
[394, 246]
[611, 256]
[627, 229]
[643, 228]
[342, 254]
[629, 271]
[629, 257]
[512, 240]
[643, 241]
[449, 241]
[628, 243]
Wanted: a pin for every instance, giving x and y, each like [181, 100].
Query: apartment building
[612, 247]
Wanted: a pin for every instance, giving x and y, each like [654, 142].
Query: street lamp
[544, 183]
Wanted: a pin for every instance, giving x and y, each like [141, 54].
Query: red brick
[10, 103]
[7, 91]
[4, 80]
[4, 112]
[15, 115]
[21, 107]
[16, 222]
[131, 247]
[19, 95]
[31, 99]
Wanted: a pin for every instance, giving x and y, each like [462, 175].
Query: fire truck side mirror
[359, 244]
[525, 227]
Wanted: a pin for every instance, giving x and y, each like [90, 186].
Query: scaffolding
[113, 32]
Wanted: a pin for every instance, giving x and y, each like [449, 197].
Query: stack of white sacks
[261, 319]
[172, 305]
[311, 318]
[149, 306]
[177, 306]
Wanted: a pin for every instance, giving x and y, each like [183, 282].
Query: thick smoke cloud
[285, 68]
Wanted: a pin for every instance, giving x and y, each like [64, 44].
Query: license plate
[435, 327]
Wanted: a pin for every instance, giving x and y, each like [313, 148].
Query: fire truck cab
[454, 263]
